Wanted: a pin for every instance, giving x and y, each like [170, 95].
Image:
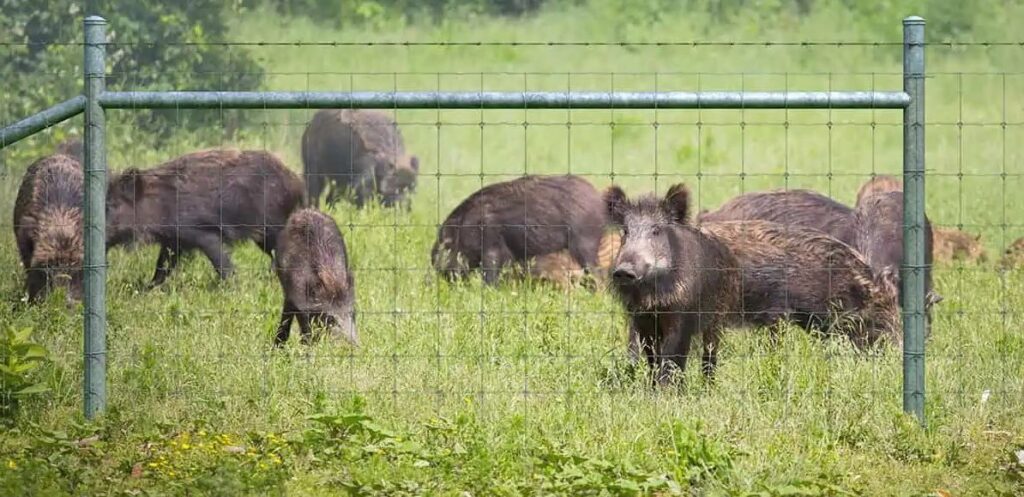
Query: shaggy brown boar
[802, 208]
[510, 222]
[674, 280]
[882, 183]
[561, 269]
[951, 244]
[878, 219]
[202, 201]
[312, 265]
[806, 277]
[48, 226]
[359, 153]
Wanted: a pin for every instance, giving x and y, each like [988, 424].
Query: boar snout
[343, 327]
[628, 271]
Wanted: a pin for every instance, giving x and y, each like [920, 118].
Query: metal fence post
[95, 384]
[913, 218]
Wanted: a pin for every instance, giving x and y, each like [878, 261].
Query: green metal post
[95, 387]
[913, 276]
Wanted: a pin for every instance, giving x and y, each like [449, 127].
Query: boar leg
[314, 187]
[25, 247]
[709, 358]
[584, 251]
[677, 332]
[35, 283]
[166, 262]
[305, 327]
[213, 248]
[284, 329]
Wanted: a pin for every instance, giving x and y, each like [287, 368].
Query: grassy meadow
[521, 389]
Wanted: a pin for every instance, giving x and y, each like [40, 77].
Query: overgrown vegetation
[522, 389]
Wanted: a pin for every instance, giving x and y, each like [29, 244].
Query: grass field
[520, 389]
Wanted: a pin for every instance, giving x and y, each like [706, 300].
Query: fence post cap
[913, 20]
[95, 20]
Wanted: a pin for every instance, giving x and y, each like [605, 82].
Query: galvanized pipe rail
[504, 100]
[96, 100]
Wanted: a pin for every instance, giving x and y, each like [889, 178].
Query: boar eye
[656, 231]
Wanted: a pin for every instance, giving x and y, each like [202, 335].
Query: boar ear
[615, 203]
[677, 202]
[414, 163]
[977, 237]
[932, 298]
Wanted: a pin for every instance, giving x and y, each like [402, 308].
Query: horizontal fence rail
[45, 119]
[506, 100]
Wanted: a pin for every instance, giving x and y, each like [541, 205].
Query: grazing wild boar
[359, 153]
[561, 269]
[1013, 256]
[883, 183]
[878, 219]
[48, 226]
[312, 265]
[802, 208]
[951, 245]
[510, 222]
[806, 277]
[202, 201]
[74, 148]
[675, 280]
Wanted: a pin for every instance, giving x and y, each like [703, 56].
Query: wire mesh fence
[527, 350]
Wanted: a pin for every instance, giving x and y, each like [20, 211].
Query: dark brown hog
[358, 153]
[675, 280]
[312, 266]
[48, 226]
[802, 208]
[808, 278]
[510, 222]
[878, 219]
[203, 201]
[952, 244]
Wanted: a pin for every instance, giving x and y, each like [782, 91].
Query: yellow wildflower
[11, 464]
[202, 433]
[185, 446]
[152, 464]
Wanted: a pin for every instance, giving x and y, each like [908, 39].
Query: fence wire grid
[546, 350]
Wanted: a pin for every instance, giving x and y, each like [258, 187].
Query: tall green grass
[539, 371]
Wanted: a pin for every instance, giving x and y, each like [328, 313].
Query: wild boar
[675, 280]
[202, 201]
[510, 222]
[1013, 256]
[951, 245]
[358, 153]
[312, 266]
[48, 226]
[804, 276]
[878, 219]
[802, 208]
[561, 269]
